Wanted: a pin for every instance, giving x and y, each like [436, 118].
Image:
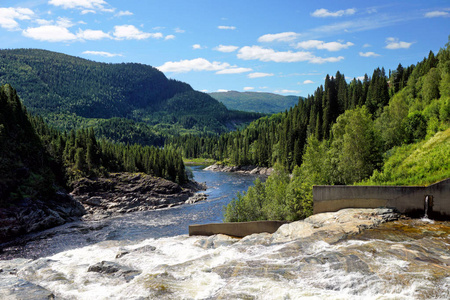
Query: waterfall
[426, 207]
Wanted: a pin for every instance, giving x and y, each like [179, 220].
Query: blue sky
[284, 47]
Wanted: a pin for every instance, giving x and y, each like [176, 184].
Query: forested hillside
[255, 101]
[342, 134]
[36, 159]
[70, 93]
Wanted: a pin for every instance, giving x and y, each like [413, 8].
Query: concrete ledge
[409, 200]
[236, 229]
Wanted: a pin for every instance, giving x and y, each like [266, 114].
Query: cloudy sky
[282, 46]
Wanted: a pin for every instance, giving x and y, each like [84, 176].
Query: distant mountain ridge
[63, 88]
[268, 103]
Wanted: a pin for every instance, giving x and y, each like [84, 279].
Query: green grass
[422, 163]
[198, 161]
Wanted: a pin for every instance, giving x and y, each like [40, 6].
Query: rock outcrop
[130, 192]
[29, 216]
[240, 169]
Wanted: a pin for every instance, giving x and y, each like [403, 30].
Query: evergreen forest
[37, 160]
[369, 131]
[125, 102]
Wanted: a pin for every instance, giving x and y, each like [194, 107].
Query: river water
[148, 255]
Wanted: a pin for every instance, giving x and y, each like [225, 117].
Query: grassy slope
[421, 163]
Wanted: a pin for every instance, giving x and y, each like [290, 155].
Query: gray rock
[114, 269]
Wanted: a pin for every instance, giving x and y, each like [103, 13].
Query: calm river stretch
[148, 255]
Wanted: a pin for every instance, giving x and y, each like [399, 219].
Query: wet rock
[341, 223]
[114, 269]
[216, 241]
[196, 198]
[130, 192]
[12, 287]
[240, 169]
[38, 215]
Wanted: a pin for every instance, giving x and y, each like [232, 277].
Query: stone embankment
[129, 192]
[240, 169]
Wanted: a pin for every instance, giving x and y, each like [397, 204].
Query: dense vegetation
[72, 93]
[345, 133]
[25, 167]
[255, 101]
[35, 158]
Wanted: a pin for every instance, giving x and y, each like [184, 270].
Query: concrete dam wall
[415, 201]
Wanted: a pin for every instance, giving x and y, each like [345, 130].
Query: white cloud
[81, 4]
[197, 46]
[130, 32]
[178, 30]
[9, 15]
[197, 64]
[436, 14]
[124, 13]
[308, 82]
[234, 70]
[331, 46]
[50, 33]
[169, 37]
[43, 22]
[88, 11]
[64, 22]
[368, 54]
[367, 45]
[394, 43]
[92, 35]
[323, 13]
[102, 53]
[248, 88]
[223, 48]
[279, 37]
[226, 27]
[264, 54]
[259, 75]
[322, 60]
[222, 91]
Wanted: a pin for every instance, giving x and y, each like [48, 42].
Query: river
[148, 255]
[222, 188]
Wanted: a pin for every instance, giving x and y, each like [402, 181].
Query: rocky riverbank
[94, 199]
[129, 192]
[29, 216]
[240, 169]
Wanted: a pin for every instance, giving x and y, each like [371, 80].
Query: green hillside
[420, 163]
[70, 92]
[389, 128]
[255, 101]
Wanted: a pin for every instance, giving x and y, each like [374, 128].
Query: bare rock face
[29, 216]
[240, 169]
[130, 192]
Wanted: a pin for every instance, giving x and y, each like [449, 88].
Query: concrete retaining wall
[409, 200]
[238, 229]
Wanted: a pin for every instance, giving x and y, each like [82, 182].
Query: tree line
[36, 160]
[342, 134]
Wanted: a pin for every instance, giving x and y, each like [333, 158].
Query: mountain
[70, 92]
[255, 101]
